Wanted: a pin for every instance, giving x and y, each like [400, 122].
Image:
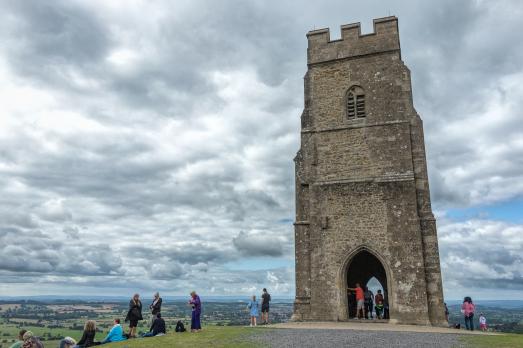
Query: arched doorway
[365, 267]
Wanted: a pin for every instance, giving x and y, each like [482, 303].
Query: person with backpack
[378, 300]
[253, 308]
[266, 298]
[369, 302]
[467, 309]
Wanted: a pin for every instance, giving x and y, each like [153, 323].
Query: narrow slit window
[355, 102]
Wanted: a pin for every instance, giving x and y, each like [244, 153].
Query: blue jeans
[148, 334]
[469, 322]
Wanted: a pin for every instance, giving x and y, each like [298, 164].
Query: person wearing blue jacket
[115, 334]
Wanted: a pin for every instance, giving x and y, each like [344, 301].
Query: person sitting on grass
[68, 342]
[115, 334]
[31, 341]
[18, 344]
[87, 339]
[157, 328]
[253, 307]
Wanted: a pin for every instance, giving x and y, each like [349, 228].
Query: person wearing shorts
[360, 300]
[266, 298]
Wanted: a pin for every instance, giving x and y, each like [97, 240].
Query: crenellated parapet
[385, 38]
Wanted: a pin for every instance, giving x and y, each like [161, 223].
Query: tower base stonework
[362, 196]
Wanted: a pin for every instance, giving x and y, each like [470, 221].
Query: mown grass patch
[210, 336]
[498, 341]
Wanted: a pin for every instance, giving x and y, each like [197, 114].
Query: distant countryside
[53, 319]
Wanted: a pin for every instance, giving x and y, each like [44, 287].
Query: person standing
[134, 314]
[369, 302]
[378, 300]
[468, 308]
[196, 305]
[156, 306]
[360, 300]
[266, 299]
[446, 312]
[482, 322]
[253, 308]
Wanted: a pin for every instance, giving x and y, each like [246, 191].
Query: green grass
[210, 336]
[497, 341]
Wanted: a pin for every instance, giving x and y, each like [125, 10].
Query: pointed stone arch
[375, 266]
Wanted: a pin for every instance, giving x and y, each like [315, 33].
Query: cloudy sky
[148, 144]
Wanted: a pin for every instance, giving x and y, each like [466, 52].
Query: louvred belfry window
[355, 102]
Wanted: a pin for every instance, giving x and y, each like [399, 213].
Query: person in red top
[360, 300]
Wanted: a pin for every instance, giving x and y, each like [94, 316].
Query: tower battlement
[385, 38]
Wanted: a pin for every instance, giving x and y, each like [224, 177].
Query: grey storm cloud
[156, 151]
[259, 244]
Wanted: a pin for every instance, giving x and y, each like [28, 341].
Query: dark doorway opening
[367, 270]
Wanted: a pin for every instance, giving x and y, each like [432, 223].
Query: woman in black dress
[134, 314]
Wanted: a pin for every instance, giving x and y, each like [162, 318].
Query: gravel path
[353, 338]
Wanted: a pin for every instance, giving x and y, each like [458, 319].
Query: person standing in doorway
[369, 302]
[156, 306]
[378, 300]
[360, 300]
[266, 299]
[134, 314]
[196, 305]
[467, 309]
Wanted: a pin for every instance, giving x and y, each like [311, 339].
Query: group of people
[468, 309]
[116, 333]
[253, 305]
[365, 303]
[26, 339]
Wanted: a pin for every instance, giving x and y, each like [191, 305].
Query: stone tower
[362, 193]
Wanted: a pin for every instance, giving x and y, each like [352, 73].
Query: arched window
[355, 102]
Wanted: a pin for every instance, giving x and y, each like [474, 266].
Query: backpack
[180, 327]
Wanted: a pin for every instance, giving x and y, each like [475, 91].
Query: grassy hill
[211, 336]
[242, 337]
[498, 341]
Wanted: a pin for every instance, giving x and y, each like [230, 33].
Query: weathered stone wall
[362, 182]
